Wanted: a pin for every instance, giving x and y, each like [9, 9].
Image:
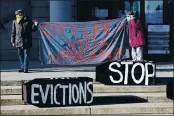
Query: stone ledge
[135, 108]
[98, 88]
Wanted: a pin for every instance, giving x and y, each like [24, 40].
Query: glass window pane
[126, 8]
[136, 7]
[154, 11]
[101, 13]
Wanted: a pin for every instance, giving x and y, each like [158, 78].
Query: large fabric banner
[69, 43]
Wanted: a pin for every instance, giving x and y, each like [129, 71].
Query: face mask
[132, 17]
[18, 18]
[128, 18]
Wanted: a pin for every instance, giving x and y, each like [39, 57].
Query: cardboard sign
[126, 73]
[59, 92]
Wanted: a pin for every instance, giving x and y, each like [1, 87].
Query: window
[136, 7]
[133, 6]
[154, 11]
[101, 13]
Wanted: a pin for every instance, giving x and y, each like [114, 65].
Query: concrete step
[109, 97]
[11, 82]
[100, 88]
[148, 97]
[133, 108]
[154, 114]
[159, 81]
[97, 88]
[141, 108]
[11, 90]
[19, 82]
[11, 100]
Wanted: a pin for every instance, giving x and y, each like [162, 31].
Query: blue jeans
[23, 54]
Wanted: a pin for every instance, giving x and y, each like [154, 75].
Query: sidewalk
[36, 70]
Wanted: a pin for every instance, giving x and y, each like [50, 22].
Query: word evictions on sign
[126, 72]
[59, 92]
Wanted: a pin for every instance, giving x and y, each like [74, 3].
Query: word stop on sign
[126, 73]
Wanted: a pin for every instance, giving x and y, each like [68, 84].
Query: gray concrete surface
[97, 88]
[9, 71]
[160, 108]
[149, 97]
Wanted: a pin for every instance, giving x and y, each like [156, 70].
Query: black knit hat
[130, 13]
[19, 11]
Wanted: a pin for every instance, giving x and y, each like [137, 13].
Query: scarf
[18, 18]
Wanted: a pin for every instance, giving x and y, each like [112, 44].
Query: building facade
[157, 17]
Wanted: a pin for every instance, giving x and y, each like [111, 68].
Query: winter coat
[21, 34]
[136, 35]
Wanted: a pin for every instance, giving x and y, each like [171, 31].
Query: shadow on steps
[108, 100]
[105, 100]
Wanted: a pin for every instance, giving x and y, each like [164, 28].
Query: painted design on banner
[83, 42]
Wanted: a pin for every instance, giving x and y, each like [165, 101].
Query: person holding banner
[21, 37]
[136, 37]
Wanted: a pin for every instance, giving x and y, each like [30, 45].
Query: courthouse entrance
[88, 10]
[156, 15]
[159, 21]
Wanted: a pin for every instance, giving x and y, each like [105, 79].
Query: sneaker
[21, 70]
[25, 70]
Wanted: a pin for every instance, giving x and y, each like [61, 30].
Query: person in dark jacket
[136, 36]
[21, 37]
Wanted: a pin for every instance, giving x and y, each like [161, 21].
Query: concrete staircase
[107, 99]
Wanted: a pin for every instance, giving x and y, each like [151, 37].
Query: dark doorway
[162, 47]
[89, 10]
[171, 20]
